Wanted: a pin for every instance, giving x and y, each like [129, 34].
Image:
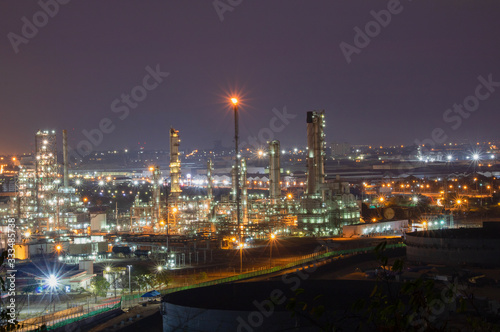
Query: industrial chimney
[175, 164]
[274, 171]
[65, 159]
[316, 152]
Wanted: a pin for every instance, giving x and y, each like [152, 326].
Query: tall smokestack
[209, 179]
[175, 164]
[244, 189]
[65, 158]
[155, 179]
[274, 170]
[234, 176]
[316, 152]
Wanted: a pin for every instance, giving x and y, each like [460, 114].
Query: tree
[99, 286]
[150, 281]
[140, 280]
[163, 279]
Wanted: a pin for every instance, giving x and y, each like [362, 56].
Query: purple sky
[281, 53]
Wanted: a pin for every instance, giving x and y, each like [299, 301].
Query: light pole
[237, 168]
[129, 284]
[272, 237]
[113, 273]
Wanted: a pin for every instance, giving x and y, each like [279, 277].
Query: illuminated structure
[157, 202]
[244, 190]
[65, 159]
[234, 177]
[46, 170]
[274, 171]
[328, 205]
[41, 202]
[316, 152]
[175, 164]
[209, 179]
[26, 200]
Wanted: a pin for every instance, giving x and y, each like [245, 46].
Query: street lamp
[237, 168]
[52, 282]
[113, 273]
[129, 285]
[272, 237]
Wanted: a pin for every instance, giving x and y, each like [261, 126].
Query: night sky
[274, 54]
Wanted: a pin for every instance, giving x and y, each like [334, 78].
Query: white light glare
[52, 281]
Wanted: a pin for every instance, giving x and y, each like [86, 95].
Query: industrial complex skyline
[236, 165]
[146, 67]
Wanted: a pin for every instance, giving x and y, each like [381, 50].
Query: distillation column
[274, 171]
[316, 152]
[46, 170]
[244, 189]
[65, 159]
[175, 164]
[156, 182]
[210, 190]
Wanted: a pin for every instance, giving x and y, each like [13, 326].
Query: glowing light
[52, 281]
[234, 101]
[273, 236]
